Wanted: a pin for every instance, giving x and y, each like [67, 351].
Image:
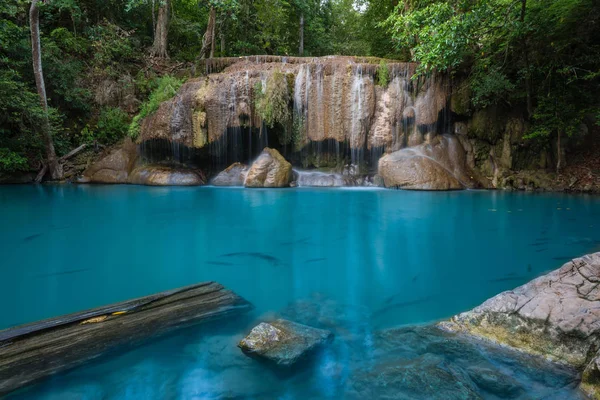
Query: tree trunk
[301, 47]
[212, 45]
[558, 153]
[36, 51]
[528, 88]
[222, 44]
[161, 31]
[208, 39]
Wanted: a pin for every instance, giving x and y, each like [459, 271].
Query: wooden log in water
[34, 351]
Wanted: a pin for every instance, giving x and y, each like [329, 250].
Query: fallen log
[33, 351]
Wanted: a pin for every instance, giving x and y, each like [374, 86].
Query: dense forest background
[107, 61]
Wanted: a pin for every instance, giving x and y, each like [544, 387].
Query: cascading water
[339, 115]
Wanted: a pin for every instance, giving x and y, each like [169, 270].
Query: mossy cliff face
[556, 316]
[307, 100]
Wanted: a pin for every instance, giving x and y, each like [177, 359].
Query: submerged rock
[160, 175]
[234, 175]
[283, 342]
[269, 170]
[438, 165]
[495, 382]
[556, 315]
[590, 383]
[425, 377]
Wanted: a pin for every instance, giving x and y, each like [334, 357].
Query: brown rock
[234, 175]
[160, 175]
[438, 165]
[269, 170]
[556, 315]
[114, 167]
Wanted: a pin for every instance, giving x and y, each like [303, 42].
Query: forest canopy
[103, 59]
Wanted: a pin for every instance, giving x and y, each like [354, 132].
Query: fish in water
[389, 307]
[73, 271]
[509, 279]
[31, 237]
[562, 258]
[539, 244]
[313, 260]
[529, 269]
[540, 250]
[261, 256]
[218, 263]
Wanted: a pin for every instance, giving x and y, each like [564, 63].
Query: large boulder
[161, 175]
[114, 167]
[438, 165]
[269, 170]
[234, 175]
[556, 315]
[283, 342]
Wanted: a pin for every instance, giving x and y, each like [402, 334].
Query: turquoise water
[373, 259]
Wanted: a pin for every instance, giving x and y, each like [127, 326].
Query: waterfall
[357, 115]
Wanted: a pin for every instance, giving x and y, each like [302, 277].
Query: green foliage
[11, 161]
[273, 102]
[166, 87]
[383, 74]
[112, 125]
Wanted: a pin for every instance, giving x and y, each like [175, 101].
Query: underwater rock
[269, 170]
[234, 175]
[438, 165]
[283, 342]
[495, 382]
[556, 315]
[160, 175]
[349, 322]
[426, 377]
[114, 167]
[590, 383]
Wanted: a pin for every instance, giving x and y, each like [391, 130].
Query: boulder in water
[556, 315]
[160, 175]
[114, 167]
[269, 170]
[438, 165]
[234, 175]
[283, 342]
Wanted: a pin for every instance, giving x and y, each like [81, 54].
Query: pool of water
[367, 260]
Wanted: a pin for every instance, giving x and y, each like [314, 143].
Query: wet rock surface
[114, 167]
[556, 315]
[234, 175]
[283, 342]
[160, 175]
[438, 165]
[269, 170]
[590, 383]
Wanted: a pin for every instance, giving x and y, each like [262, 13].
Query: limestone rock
[495, 382]
[114, 167]
[425, 377]
[590, 383]
[283, 342]
[269, 170]
[439, 165]
[159, 175]
[556, 315]
[234, 175]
